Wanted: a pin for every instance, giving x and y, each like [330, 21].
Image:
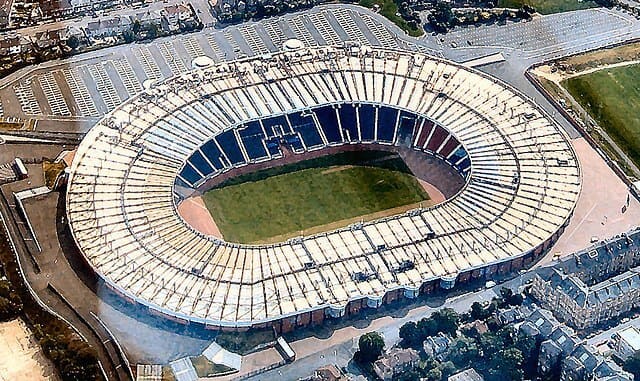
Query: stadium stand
[134, 167]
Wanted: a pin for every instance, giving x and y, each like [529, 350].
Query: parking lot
[92, 84]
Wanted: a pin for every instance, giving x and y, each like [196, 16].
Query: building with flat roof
[626, 342]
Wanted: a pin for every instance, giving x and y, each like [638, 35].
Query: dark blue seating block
[198, 161]
[464, 165]
[329, 123]
[273, 146]
[294, 142]
[387, 118]
[252, 136]
[367, 121]
[189, 174]
[276, 126]
[306, 127]
[347, 113]
[229, 144]
[212, 152]
[459, 154]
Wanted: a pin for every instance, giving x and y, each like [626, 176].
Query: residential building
[437, 346]
[395, 362]
[626, 342]
[563, 354]
[466, 375]
[594, 285]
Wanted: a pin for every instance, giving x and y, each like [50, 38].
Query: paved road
[340, 347]
[115, 366]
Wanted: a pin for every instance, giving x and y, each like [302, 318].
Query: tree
[371, 345]
[632, 365]
[410, 335]
[478, 312]
[529, 347]
[73, 42]
[446, 320]
[506, 365]
[136, 27]
[463, 351]
[447, 369]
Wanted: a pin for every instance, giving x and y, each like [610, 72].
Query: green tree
[632, 365]
[447, 320]
[73, 42]
[506, 365]
[371, 345]
[463, 351]
[478, 312]
[529, 347]
[410, 335]
[136, 27]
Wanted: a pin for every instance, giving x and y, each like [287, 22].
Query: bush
[370, 347]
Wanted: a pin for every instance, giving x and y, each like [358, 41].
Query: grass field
[612, 97]
[286, 200]
[546, 7]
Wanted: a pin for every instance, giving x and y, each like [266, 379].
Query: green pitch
[612, 97]
[283, 201]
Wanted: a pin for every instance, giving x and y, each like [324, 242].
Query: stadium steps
[7, 174]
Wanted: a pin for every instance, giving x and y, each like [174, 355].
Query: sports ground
[612, 98]
[312, 196]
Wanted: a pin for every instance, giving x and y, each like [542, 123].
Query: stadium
[508, 174]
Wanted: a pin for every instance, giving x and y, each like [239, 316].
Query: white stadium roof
[522, 187]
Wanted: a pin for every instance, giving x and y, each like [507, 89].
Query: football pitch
[612, 98]
[312, 196]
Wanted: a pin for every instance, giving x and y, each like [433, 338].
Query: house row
[563, 353]
[594, 285]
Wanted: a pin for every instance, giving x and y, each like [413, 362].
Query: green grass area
[293, 198]
[546, 7]
[389, 9]
[612, 97]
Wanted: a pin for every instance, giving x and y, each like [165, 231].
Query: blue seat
[387, 118]
[406, 128]
[294, 142]
[367, 121]
[273, 146]
[229, 144]
[199, 162]
[181, 183]
[190, 174]
[458, 154]
[252, 137]
[306, 127]
[464, 165]
[347, 113]
[212, 152]
[328, 120]
[276, 126]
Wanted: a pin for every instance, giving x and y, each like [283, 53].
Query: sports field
[285, 201]
[546, 7]
[612, 97]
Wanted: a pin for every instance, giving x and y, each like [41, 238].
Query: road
[341, 345]
[115, 366]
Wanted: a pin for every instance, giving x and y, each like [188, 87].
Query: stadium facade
[521, 183]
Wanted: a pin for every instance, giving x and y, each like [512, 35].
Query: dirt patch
[435, 196]
[20, 355]
[336, 169]
[196, 214]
